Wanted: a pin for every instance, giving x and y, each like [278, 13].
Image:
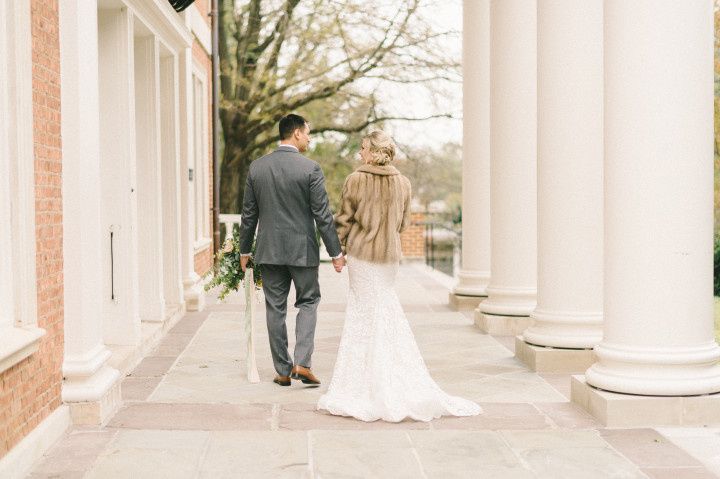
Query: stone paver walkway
[189, 412]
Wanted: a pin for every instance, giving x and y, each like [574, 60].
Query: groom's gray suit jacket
[285, 198]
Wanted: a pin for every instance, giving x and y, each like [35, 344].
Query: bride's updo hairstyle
[381, 146]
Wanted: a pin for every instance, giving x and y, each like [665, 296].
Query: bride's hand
[339, 263]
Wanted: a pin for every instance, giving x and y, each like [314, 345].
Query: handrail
[446, 263]
[229, 220]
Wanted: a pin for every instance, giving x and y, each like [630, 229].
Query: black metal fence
[443, 243]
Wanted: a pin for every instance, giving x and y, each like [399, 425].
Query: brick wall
[30, 390]
[204, 258]
[412, 239]
[203, 261]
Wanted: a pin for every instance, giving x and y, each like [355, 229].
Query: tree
[436, 174]
[320, 58]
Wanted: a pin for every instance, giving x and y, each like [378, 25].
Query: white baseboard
[17, 463]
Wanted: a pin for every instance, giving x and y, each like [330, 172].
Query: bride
[379, 372]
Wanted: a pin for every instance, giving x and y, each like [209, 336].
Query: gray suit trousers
[276, 286]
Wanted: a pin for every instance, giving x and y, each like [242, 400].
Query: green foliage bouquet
[226, 272]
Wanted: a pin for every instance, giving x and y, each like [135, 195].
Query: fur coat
[375, 210]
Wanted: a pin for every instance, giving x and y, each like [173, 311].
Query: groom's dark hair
[290, 123]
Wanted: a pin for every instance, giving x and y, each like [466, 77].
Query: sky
[447, 15]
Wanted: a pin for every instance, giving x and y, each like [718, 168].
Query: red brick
[29, 391]
[204, 259]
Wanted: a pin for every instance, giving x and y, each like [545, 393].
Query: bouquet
[226, 272]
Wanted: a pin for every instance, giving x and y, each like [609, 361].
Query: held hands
[339, 263]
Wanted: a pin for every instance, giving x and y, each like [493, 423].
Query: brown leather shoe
[304, 374]
[282, 380]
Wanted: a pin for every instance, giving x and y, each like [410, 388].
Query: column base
[153, 314]
[509, 302]
[553, 360]
[98, 411]
[90, 386]
[472, 283]
[565, 329]
[627, 410]
[460, 302]
[660, 371]
[501, 325]
[194, 294]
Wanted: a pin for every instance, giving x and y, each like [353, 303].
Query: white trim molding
[201, 154]
[18, 280]
[202, 244]
[165, 22]
[17, 463]
[199, 28]
[18, 344]
[159, 17]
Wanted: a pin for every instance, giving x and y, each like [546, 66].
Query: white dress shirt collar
[289, 146]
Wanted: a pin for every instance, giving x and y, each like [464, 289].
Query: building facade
[105, 201]
[591, 130]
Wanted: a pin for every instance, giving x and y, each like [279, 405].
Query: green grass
[717, 319]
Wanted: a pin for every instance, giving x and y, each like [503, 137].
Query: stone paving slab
[364, 454]
[679, 473]
[648, 448]
[561, 382]
[701, 443]
[146, 454]
[567, 415]
[234, 454]
[304, 417]
[138, 389]
[579, 462]
[74, 455]
[206, 417]
[190, 412]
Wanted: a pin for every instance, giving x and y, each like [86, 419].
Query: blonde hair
[381, 146]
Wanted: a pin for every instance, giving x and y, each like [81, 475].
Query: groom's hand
[338, 263]
[244, 262]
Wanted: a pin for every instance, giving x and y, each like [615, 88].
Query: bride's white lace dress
[379, 372]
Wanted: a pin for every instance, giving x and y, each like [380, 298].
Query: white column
[118, 175]
[193, 291]
[570, 157]
[475, 269]
[658, 271]
[7, 288]
[513, 149]
[150, 219]
[87, 377]
[171, 181]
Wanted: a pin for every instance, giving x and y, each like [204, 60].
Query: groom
[285, 197]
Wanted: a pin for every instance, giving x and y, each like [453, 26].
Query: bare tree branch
[371, 121]
[280, 31]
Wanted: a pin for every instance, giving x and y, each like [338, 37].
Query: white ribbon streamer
[252, 371]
